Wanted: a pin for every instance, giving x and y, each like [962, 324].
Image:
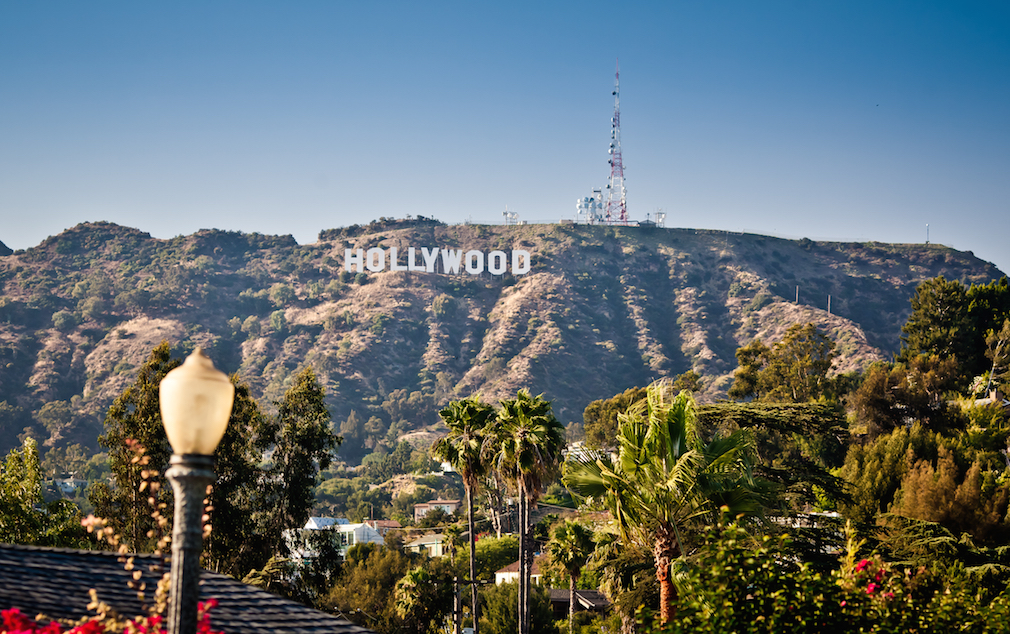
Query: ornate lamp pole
[196, 402]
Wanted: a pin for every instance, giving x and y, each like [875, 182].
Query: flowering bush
[741, 584]
[105, 623]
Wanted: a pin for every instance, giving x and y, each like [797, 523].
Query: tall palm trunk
[527, 576]
[457, 602]
[665, 551]
[523, 599]
[628, 625]
[474, 605]
[571, 602]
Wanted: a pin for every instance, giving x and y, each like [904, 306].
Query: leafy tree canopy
[794, 370]
[25, 518]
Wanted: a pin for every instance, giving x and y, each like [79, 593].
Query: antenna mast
[617, 207]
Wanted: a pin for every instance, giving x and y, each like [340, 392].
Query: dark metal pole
[189, 474]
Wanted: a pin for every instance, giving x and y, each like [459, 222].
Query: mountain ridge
[603, 308]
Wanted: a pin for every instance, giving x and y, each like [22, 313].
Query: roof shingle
[56, 581]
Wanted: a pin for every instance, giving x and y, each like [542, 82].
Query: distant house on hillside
[584, 600]
[344, 535]
[319, 523]
[422, 509]
[432, 543]
[995, 397]
[69, 485]
[384, 526]
[510, 573]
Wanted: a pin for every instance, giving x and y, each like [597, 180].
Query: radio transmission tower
[617, 206]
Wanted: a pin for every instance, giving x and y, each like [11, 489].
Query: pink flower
[843, 603]
[870, 589]
[862, 565]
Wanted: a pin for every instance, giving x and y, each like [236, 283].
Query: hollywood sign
[453, 261]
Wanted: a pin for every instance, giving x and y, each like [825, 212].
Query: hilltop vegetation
[602, 310]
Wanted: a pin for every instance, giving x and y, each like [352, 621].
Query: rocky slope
[602, 309]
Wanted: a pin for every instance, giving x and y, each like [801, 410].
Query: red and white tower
[616, 211]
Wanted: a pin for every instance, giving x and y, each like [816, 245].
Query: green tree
[944, 324]
[526, 449]
[599, 419]
[998, 351]
[502, 616]
[25, 518]
[235, 546]
[251, 326]
[464, 448]
[664, 475]
[135, 417]
[65, 321]
[281, 295]
[65, 460]
[94, 308]
[796, 447]
[898, 394]
[493, 554]
[794, 370]
[55, 417]
[278, 321]
[569, 549]
[422, 598]
[364, 591]
[301, 444]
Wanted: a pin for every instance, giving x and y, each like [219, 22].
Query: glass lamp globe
[196, 401]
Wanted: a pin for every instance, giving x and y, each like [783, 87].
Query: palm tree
[570, 547]
[526, 450]
[663, 475]
[463, 448]
[625, 571]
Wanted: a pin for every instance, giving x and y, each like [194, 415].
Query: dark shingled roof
[586, 599]
[56, 581]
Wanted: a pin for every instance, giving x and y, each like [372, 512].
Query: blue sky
[838, 120]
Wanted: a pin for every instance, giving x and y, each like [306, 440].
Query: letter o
[497, 262]
[370, 259]
[474, 262]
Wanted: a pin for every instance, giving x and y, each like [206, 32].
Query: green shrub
[65, 321]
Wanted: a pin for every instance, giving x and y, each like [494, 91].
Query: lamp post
[196, 402]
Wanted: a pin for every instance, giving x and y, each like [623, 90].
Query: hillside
[602, 309]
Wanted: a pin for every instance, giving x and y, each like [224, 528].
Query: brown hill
[602, 309]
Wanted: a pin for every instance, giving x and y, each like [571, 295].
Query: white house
[422, 509]
[69, 485]
[432, 543]
[319, 523]
[344, 535]
[384, 526]
[510, 573]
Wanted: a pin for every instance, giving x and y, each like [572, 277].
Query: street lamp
[196, 402]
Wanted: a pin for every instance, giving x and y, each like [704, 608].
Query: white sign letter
[411, 262]
[474, 262]
[518, 269]
[375, 260]
[496, 262]
[393, 266]
[357, 260]
[430, 258]
[451, 261]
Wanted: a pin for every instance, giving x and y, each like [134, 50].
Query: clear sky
[841, 120]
